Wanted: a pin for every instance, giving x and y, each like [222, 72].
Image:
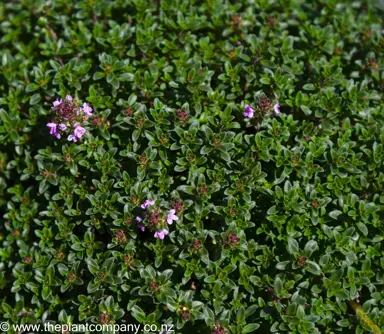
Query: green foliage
[280, 218]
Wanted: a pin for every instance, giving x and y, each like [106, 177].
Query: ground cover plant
[216, 165]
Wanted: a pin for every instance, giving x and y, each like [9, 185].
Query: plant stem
[364, 317]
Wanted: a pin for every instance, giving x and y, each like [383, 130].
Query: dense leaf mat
[167, 204]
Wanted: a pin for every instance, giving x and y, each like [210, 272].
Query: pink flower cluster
[171, 216]
[156, 224]
[69, 118]
[161, 234]
[249, 111]
[147, 203]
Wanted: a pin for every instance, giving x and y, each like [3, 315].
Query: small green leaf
[309, 87]
[363, 228]
[98, 75]
[306, 110]
[35, 99]
[282, 265]
[210, 279]
[32, 87]
[313, 268]
[293, 246]
[278, 286]
[334, 214]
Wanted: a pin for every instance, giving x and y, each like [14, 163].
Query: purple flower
[53, 130]
[248, 111]
[62, 127]
[69, 98]
[171, 216]
[77, 134]
[57, 103]
[276, 109]
[79, 131]
[161, 234]
[140, 227]
[52, 127]
[87, 109]
[238, 43]
[147, 203]
[72, 138]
